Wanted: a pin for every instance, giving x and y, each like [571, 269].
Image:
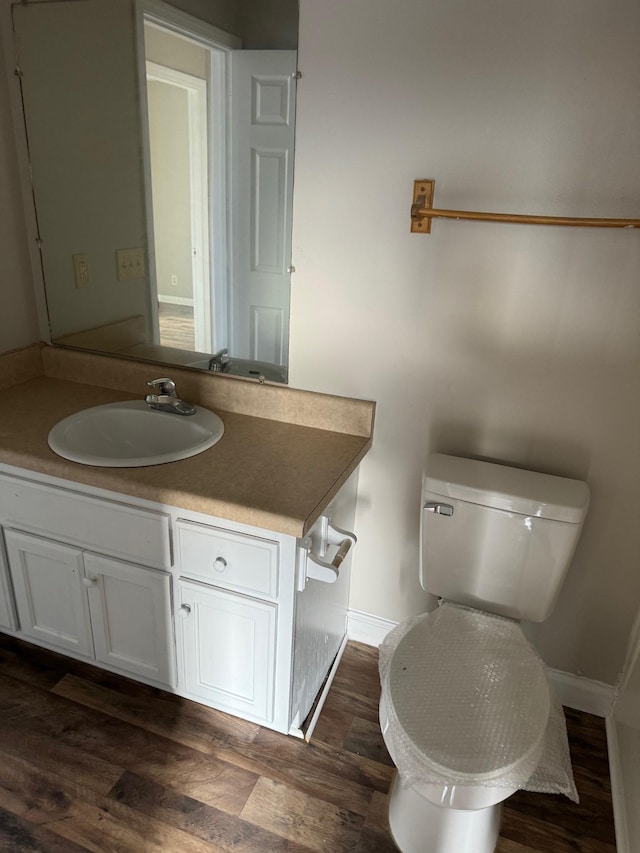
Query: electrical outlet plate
[130, 264]
[81, 270]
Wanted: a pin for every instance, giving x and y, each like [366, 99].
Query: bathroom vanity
[210, 577]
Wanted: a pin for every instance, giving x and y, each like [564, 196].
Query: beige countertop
[264, 472]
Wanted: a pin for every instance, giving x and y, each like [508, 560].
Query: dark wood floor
[91, 761]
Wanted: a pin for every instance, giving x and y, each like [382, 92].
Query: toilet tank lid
[503, 487]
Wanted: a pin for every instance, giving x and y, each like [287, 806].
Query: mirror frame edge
[21, 147]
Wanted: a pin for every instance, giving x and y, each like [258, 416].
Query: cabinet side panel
[321, 616]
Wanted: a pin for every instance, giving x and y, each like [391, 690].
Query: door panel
[262, 137]
[228, 646]
[7, 612]
[131, 617]
[50, 595]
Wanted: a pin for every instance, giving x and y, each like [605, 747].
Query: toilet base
[419, 826]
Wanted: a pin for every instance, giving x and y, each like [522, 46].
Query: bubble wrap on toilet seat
[468, 702]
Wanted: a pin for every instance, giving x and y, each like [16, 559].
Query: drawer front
[100, 525]
[236, 561]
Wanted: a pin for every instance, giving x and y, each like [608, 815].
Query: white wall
[518, 343]
[225, 14]
[269, 24]
[18, 322]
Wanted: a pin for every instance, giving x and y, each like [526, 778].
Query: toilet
[466, 711]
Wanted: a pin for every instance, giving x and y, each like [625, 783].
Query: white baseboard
[175, 300]
[367, 629]
[583, 694]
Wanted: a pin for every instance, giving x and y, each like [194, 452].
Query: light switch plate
[130, 264]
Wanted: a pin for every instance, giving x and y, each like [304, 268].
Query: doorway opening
[177, 115]
[185, 125]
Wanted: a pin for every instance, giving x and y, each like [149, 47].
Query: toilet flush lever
[439, 509]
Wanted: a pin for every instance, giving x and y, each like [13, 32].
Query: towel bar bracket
[422, 199]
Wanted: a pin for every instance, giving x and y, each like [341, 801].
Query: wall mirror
[160, 145]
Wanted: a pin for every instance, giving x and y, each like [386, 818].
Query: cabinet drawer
[96, 524]
[232, 560]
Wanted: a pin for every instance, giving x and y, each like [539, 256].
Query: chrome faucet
[218, 362]
[167, 400]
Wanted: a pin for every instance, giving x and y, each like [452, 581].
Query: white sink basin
[132, 435]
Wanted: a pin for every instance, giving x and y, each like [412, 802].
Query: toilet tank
[498, 538]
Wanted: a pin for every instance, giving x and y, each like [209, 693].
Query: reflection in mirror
[161, 154]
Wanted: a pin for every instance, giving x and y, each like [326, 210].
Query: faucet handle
[166, 387]
[219, 362]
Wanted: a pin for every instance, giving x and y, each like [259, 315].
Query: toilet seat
[467, 700]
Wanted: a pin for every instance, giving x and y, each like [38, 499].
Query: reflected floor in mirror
[92, 761]
[176, 326]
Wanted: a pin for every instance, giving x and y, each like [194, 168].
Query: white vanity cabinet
[78, 587]
[228, 594]
[71, 600]
[220, 612]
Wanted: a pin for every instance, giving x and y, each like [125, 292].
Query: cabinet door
[50, 595]
[131, 616]
[228, 649]
[7, 612]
